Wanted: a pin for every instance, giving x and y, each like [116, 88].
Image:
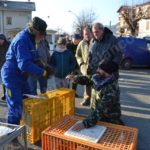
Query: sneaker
[85, 102]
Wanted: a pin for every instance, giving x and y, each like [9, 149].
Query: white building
[14, 16]
[143, 28]
[51, 38]
[144, 24]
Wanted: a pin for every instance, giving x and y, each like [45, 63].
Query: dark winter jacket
[3, 50]
[63, 63]
[43, 51]
[107, 48]
[72, 48]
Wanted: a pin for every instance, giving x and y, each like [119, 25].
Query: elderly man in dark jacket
[103, 46]
[4, 44]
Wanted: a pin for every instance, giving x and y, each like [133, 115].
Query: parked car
[136, 52]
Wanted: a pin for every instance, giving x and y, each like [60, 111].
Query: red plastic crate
[116, 137]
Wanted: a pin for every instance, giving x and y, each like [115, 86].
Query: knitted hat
[2, 36]
[76, 36]
[39, 25]
[108, 66]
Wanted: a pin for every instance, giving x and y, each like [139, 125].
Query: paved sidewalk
[135, 103]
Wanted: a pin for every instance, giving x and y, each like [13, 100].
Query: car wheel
[126, 64]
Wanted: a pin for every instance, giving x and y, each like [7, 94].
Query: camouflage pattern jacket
[105, 99]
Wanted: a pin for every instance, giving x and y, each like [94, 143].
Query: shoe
[85, 102]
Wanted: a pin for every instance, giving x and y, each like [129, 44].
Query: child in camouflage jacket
[105, 102]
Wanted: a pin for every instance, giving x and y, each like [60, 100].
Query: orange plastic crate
[116, 137]
[39, 114]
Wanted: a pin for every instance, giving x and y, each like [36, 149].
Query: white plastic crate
[18, 132]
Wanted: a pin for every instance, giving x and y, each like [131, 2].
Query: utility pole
[110, 24]
[132, 10]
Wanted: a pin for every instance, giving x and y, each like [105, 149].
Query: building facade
[14, 16]
[143, 27]
[51, 38]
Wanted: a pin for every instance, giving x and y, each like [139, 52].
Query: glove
[97, 81]
[39, 63]
[49, 71]
[88, 70]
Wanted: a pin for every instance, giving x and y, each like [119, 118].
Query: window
[49, 38]
[148, 11]
[9, 20]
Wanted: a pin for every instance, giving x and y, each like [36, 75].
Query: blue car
[136, 52]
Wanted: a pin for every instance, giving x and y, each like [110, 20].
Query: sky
[55, 12]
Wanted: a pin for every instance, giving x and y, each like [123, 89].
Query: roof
[15, 5]
[50, 31]
[129, 7]
[123, 7]
[143, 4]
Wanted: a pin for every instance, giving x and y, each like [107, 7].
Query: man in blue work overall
[20, 61]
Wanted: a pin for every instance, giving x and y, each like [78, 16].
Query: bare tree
[85, 18]
[132, 16]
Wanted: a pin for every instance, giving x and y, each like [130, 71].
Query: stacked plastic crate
[38, 114]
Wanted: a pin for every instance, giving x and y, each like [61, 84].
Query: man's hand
[50, 70]
[39, 63]
[78, 127]
[71, 77]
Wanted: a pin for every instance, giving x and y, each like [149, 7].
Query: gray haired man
[104, 46]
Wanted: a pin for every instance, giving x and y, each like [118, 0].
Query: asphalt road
[135, 104]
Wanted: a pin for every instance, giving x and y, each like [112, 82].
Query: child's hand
[78, 127]
[70, 77]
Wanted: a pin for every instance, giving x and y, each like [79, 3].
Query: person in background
[4, 44]
[106, 104]
[76, 38]
[103, 46]
[63, 62]
[44, 57]
[82, 55]
[19, 63]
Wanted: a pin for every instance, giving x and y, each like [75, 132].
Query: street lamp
[73, 14]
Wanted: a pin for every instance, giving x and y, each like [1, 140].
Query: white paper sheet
[92, 134]
[4, 131]
[35, 96]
